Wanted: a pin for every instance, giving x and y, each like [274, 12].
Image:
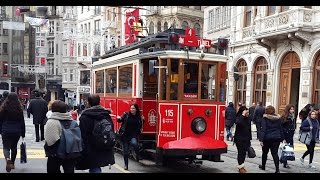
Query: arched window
[260, 81]
[165, 26]
[151, 28]
[184, 25]
[159, 26]
[198, 29]
[316, 81]
[241, 83]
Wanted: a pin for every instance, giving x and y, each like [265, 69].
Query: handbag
[23, 152]
[251, 152]
[305, 137]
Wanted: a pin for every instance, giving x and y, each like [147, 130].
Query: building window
[57, 53]
[65, 75]
[82, 7]
[151, 28]
[97, 27]
[5, 48]
[165, 26]
[97, 49]
[71, 75]
[88, 9]
[260, 81]
[284, 8]
[241, 83]
[197, 7]
[211, 20]
[184, 25]
[81, 28]
[226, 16]
[89, 27]
[66, 50]
[159, 26]
[85, 28]
[247, 15]
[51, 28]
[198, 29]
[89, 49]
[271, 10]
[97, 10]
[5, 69]
[114, 14]
[79, 49]
[316, 82]
[309, 7]
[51, 47]
[51, 68]
[85, 49]
[85, 78]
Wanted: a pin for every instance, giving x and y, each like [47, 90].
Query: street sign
[190, 39]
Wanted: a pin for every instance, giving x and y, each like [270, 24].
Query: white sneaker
[311, 166]
[302, 161]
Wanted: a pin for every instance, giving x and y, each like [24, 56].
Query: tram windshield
[192, 80]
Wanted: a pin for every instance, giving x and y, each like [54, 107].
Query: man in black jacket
[230, 119]
[258, 116]
[93, 158]
[38, 107]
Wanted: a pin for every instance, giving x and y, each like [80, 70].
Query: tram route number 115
[169, 113]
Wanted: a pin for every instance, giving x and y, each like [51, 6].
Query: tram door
[150, 90]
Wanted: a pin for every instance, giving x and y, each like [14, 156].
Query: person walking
[52, 134]
[314, 131]
[242, 136]
[4, 96]
[12, 127]
[270, 137]
[289, 125]
[131, 124]
[230, 120]
[93, 158]
[257, 117]
[38, 107]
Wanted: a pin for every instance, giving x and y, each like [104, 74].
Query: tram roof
[144, 42]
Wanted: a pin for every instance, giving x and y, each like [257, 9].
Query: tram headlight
[198, 125]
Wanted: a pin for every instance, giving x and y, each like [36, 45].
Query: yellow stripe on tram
[31, 154]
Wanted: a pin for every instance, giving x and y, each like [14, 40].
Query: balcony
[301, 19]
[108, 24]
[69, 16]
[184, 11]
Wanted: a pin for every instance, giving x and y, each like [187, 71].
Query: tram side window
[99, 82]
[111, 81]
[191, 71]
[164, 80]
[125, 80]
[174, 79]
[208, 79]
[150, 74]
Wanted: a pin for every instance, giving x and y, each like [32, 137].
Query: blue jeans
[126, 142]
[229, 133]
[95, 170]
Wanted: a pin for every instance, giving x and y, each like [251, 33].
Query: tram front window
[208, 87]
[191, 71]
[174, 79]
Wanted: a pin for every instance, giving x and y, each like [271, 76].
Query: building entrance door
[289, 81]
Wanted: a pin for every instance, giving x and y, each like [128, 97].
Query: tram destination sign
[190, 39]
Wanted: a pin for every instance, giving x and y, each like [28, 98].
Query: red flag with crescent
[130, 32]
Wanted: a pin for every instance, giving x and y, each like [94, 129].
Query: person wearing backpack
[95, 122]
[131, 124]
[57, 134]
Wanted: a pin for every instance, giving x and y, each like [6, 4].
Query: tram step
[150, 151]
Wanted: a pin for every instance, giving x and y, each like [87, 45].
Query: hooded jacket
[271, 128]
[93, 157]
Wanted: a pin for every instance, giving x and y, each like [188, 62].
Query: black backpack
[104, 137]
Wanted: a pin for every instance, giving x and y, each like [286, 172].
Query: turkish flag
[130, 33]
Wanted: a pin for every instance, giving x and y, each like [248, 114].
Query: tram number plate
[199, 156]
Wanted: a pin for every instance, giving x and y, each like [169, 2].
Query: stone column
[230, 87]
[271, 93]
[249, 85]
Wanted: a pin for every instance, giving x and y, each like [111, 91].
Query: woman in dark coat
[131, 124]
[242, 136]
[271, 136]
[289, 126]
[12, 126]
[93, 158]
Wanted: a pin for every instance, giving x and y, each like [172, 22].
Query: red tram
[181, 93]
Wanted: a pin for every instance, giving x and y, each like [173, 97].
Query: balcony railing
[292, 19]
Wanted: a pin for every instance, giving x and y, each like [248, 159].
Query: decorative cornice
[305, 36]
